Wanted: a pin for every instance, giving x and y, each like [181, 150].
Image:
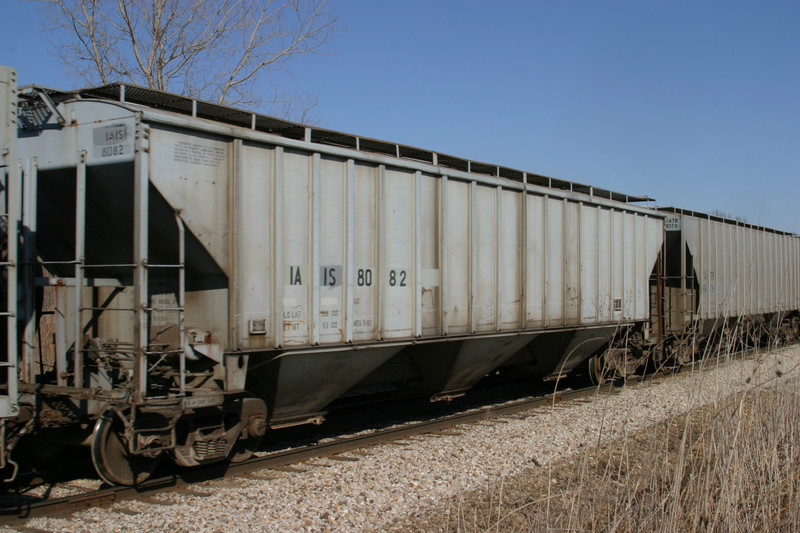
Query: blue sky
[694, 103]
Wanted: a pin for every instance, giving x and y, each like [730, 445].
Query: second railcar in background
[721, 285]
[723, 275]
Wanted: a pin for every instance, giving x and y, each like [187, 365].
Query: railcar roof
[741, 223]
[123, 92]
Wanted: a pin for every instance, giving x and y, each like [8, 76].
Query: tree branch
[222, 51]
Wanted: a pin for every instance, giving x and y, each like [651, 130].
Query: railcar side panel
[554, 237]
[605, 270]
[486, 256]
[297, 239]
[366, 228]
[324, 250]
[742, 270]
[256, 238]
[330, 248]
[589, 264]
[429, 256]
[619, 267]
[535, 262]
[397, 279]
[457, 251]
[511, 262]
[191, 171]
[572, 263]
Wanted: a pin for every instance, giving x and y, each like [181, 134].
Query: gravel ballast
[394, 483]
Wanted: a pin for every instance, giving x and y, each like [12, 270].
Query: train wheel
[254, 412]
[595, 368]
[244, 449]
[112, 460]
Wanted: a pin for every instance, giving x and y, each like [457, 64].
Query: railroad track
[30, 508]
[334, 447]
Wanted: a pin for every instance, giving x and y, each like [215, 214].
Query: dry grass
[730, 466]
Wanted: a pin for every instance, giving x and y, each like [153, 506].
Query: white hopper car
[187, 275]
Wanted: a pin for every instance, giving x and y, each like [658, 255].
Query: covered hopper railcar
[727, 279]
[722, 285]
[182, 276]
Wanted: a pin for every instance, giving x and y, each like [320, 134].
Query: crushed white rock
[395, 481]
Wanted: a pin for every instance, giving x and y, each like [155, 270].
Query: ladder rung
[116, 343]
[110, 265]
[164, 352]
[107, 309]
[87, 282]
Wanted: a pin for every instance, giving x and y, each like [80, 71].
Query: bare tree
[218, 50]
